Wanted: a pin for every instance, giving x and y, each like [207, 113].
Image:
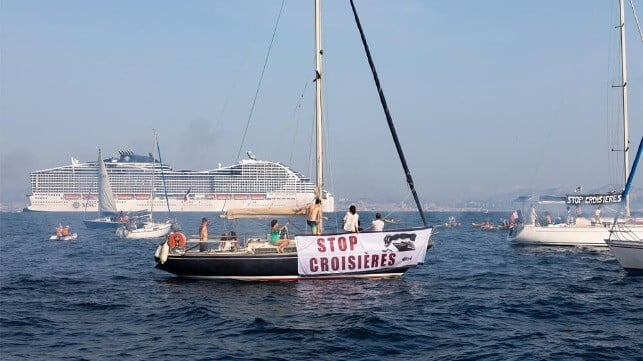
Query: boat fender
[176, 239]
[157, 253]
[165, 251]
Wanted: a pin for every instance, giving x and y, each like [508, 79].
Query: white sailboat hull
[148, 231]
[560, 235]
[581, 235]
[629, 254]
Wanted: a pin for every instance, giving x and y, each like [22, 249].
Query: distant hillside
[506, 201]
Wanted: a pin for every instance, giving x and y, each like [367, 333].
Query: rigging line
[628, 185]
[329, 181]
[636, 18]
[263, 70]
[389, 119]
[167, 201]
[296, 118]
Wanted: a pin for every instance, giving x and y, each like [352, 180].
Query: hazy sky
[488, 97]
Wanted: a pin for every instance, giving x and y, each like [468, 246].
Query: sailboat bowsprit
[326, 256]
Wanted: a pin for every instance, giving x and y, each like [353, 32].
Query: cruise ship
[135, 179]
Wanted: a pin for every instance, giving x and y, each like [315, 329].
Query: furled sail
[238, 213]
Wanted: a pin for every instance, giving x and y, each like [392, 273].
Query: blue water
[477, 297]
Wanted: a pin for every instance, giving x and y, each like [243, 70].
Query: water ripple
[476, 298]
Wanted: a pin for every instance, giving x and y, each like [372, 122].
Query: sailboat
[324, 256]
[627, 246]
[144, 227]
[108, 215]
[582, 231]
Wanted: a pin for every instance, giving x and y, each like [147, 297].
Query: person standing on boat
[597, 215]
[378, 223]
[579, 212]
[203, 235]
[351, 220]
[533, 217]
[314, 216]
[275, 236]
[570, 216]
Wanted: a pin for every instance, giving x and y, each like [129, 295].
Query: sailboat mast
[318, 102]
[626, 140]
[153, 194]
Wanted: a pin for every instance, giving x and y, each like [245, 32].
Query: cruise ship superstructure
[135, 178]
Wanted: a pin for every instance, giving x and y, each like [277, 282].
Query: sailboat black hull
[271, 267]
[242, 266]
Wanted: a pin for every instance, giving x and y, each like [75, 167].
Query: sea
[476, 297]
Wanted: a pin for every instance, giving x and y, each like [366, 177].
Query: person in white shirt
[351, 220]
[378, 223]
[597, 215]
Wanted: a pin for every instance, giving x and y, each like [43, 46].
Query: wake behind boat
[318, 256]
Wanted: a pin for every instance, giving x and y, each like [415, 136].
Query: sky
[488, 97]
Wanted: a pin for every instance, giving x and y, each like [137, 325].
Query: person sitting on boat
[66, 231]
[548, 219]
[351, 220]
[203, 235]
[378, 223]
[59, 230]
[275, 236]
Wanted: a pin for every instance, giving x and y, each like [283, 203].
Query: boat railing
[212, 244]
[622, 232]
[227, 244]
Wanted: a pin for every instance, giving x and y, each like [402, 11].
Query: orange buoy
[176, 239]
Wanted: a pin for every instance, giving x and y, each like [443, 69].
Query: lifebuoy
[176, 239]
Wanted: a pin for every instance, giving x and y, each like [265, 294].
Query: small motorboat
[63, 234]
[70, 237]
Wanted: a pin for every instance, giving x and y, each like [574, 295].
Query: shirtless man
[314, 216]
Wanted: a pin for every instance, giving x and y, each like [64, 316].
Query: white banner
[361, 252]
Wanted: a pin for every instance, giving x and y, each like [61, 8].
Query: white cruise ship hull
[195, 203]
